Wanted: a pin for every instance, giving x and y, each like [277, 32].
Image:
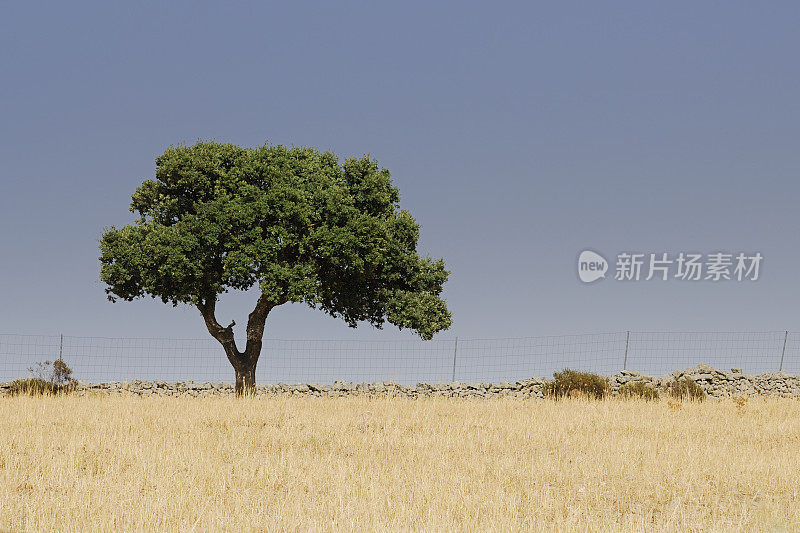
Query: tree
[295, 222]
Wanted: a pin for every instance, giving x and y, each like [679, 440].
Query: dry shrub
[638, 390]
[51, 377]
[38, 386]
[686, 389]
[576, 384]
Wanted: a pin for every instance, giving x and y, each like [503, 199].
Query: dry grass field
[128, 464]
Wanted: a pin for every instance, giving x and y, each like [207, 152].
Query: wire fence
[98, 359]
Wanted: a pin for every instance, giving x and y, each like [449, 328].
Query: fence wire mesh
[97, 359]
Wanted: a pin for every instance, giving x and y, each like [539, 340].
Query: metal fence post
[455, 354]
[61, 348]
[783, 352]
[627, 341]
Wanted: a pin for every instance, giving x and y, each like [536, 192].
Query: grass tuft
[686, 389]
[572, 383]
[639, 390]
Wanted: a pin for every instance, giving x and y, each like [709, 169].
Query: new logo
[591, 266]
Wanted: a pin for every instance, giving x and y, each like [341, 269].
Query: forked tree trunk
[246, 378]
[244, 363]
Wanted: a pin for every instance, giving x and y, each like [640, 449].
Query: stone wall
[716, 383]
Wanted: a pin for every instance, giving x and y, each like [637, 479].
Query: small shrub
[686, 389]
[573, 383]
[638, 389]
[31, 387]
[47, 380]
[62, 374]
[56, 372]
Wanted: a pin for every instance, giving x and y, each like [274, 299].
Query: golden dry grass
[110, 463]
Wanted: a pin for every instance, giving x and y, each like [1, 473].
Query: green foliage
[686, 389]
[292, 221]
[571, 383]
[638, 389]
[51, 377]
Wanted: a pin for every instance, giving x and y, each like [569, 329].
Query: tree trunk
[244, 363]
[246, 378]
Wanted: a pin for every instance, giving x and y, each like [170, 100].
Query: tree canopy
[295, 222]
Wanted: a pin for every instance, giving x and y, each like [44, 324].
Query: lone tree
[293, 221]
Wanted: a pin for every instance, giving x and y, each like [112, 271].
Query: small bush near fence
[686, 389]
[638, 390]
[573, 383]
[37, 386]
[50, 377]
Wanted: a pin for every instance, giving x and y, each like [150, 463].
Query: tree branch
[256, 321]
[224, 335]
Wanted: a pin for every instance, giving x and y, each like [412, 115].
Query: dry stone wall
[716, 383]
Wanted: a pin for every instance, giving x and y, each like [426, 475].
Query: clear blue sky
[518, 134]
